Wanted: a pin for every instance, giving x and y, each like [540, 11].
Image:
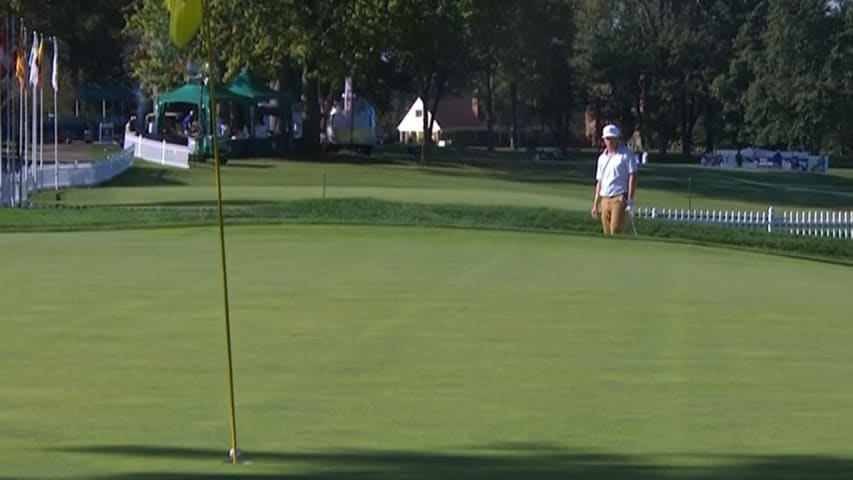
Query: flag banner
[39, 56]
[184, 20]
[21, 67]
[33, 60]
[54, 76]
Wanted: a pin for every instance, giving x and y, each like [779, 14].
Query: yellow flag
[21, 67]
[185, 20]
[38, 61]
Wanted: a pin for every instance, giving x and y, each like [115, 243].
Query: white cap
[610, 131]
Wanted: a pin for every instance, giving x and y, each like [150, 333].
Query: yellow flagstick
[215, 140]
[184, 24]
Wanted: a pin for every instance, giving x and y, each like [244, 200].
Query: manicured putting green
[371, 352]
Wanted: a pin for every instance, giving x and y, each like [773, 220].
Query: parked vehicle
[351, 124]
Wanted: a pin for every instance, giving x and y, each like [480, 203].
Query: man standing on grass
[615, 183]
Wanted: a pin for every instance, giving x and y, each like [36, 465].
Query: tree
[150, 56]
[551, 70]
[331, 40]
[614, 58]
[730, 86]
[790, 102]
[494, 36]
[840, 66]
[427, 44]
[89, 34]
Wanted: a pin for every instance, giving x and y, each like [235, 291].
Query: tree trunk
[686, 137]
[439, 92]
[663, 138]
[429, 123]
[426, 123]
[709, 121]
[490, 111]
[311, 105]
[513, 137]
[641, 108]
[692, 116]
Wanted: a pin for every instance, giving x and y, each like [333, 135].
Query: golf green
[384, 352]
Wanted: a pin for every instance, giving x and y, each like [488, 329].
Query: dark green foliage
[685, 75]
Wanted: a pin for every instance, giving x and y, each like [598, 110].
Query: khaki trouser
[613, 215]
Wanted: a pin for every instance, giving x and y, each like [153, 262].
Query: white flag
[54, 79]
[33, 61]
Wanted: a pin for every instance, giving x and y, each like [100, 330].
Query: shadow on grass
[501, 462]
[235, 165]
[48, 203]
[780, 189]
[350, 158]
[146, 177]
[774, 188]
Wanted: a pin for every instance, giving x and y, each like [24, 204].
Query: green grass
[379, 212]
[387, 352]
[478, 178]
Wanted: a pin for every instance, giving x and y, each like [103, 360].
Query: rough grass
[378, 212]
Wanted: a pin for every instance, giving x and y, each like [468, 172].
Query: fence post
[163, 153]
[770, 219]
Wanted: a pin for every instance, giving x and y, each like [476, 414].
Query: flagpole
[40, 88]
[10, 178]
[22, 102]
[5, 137]
[21, 120]
[35, 137]
[41, 132]
[21, 142]
[10, 130]
[25, 178]
[10, 122]
[214, 138]
[55, 84]
[4, 140]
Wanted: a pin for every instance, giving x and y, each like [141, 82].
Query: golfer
[615, 183]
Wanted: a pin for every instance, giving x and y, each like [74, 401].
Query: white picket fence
[159, 152]
[84, 174]
[813, 223]
[49, 177]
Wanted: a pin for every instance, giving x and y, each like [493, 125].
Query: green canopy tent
[246, 85]
[121, 100]
[96, 93]
[199, 96]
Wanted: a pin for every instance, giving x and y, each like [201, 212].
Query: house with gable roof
[458, 118]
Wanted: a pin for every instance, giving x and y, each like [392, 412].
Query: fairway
[414, 353]
[510, 181]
